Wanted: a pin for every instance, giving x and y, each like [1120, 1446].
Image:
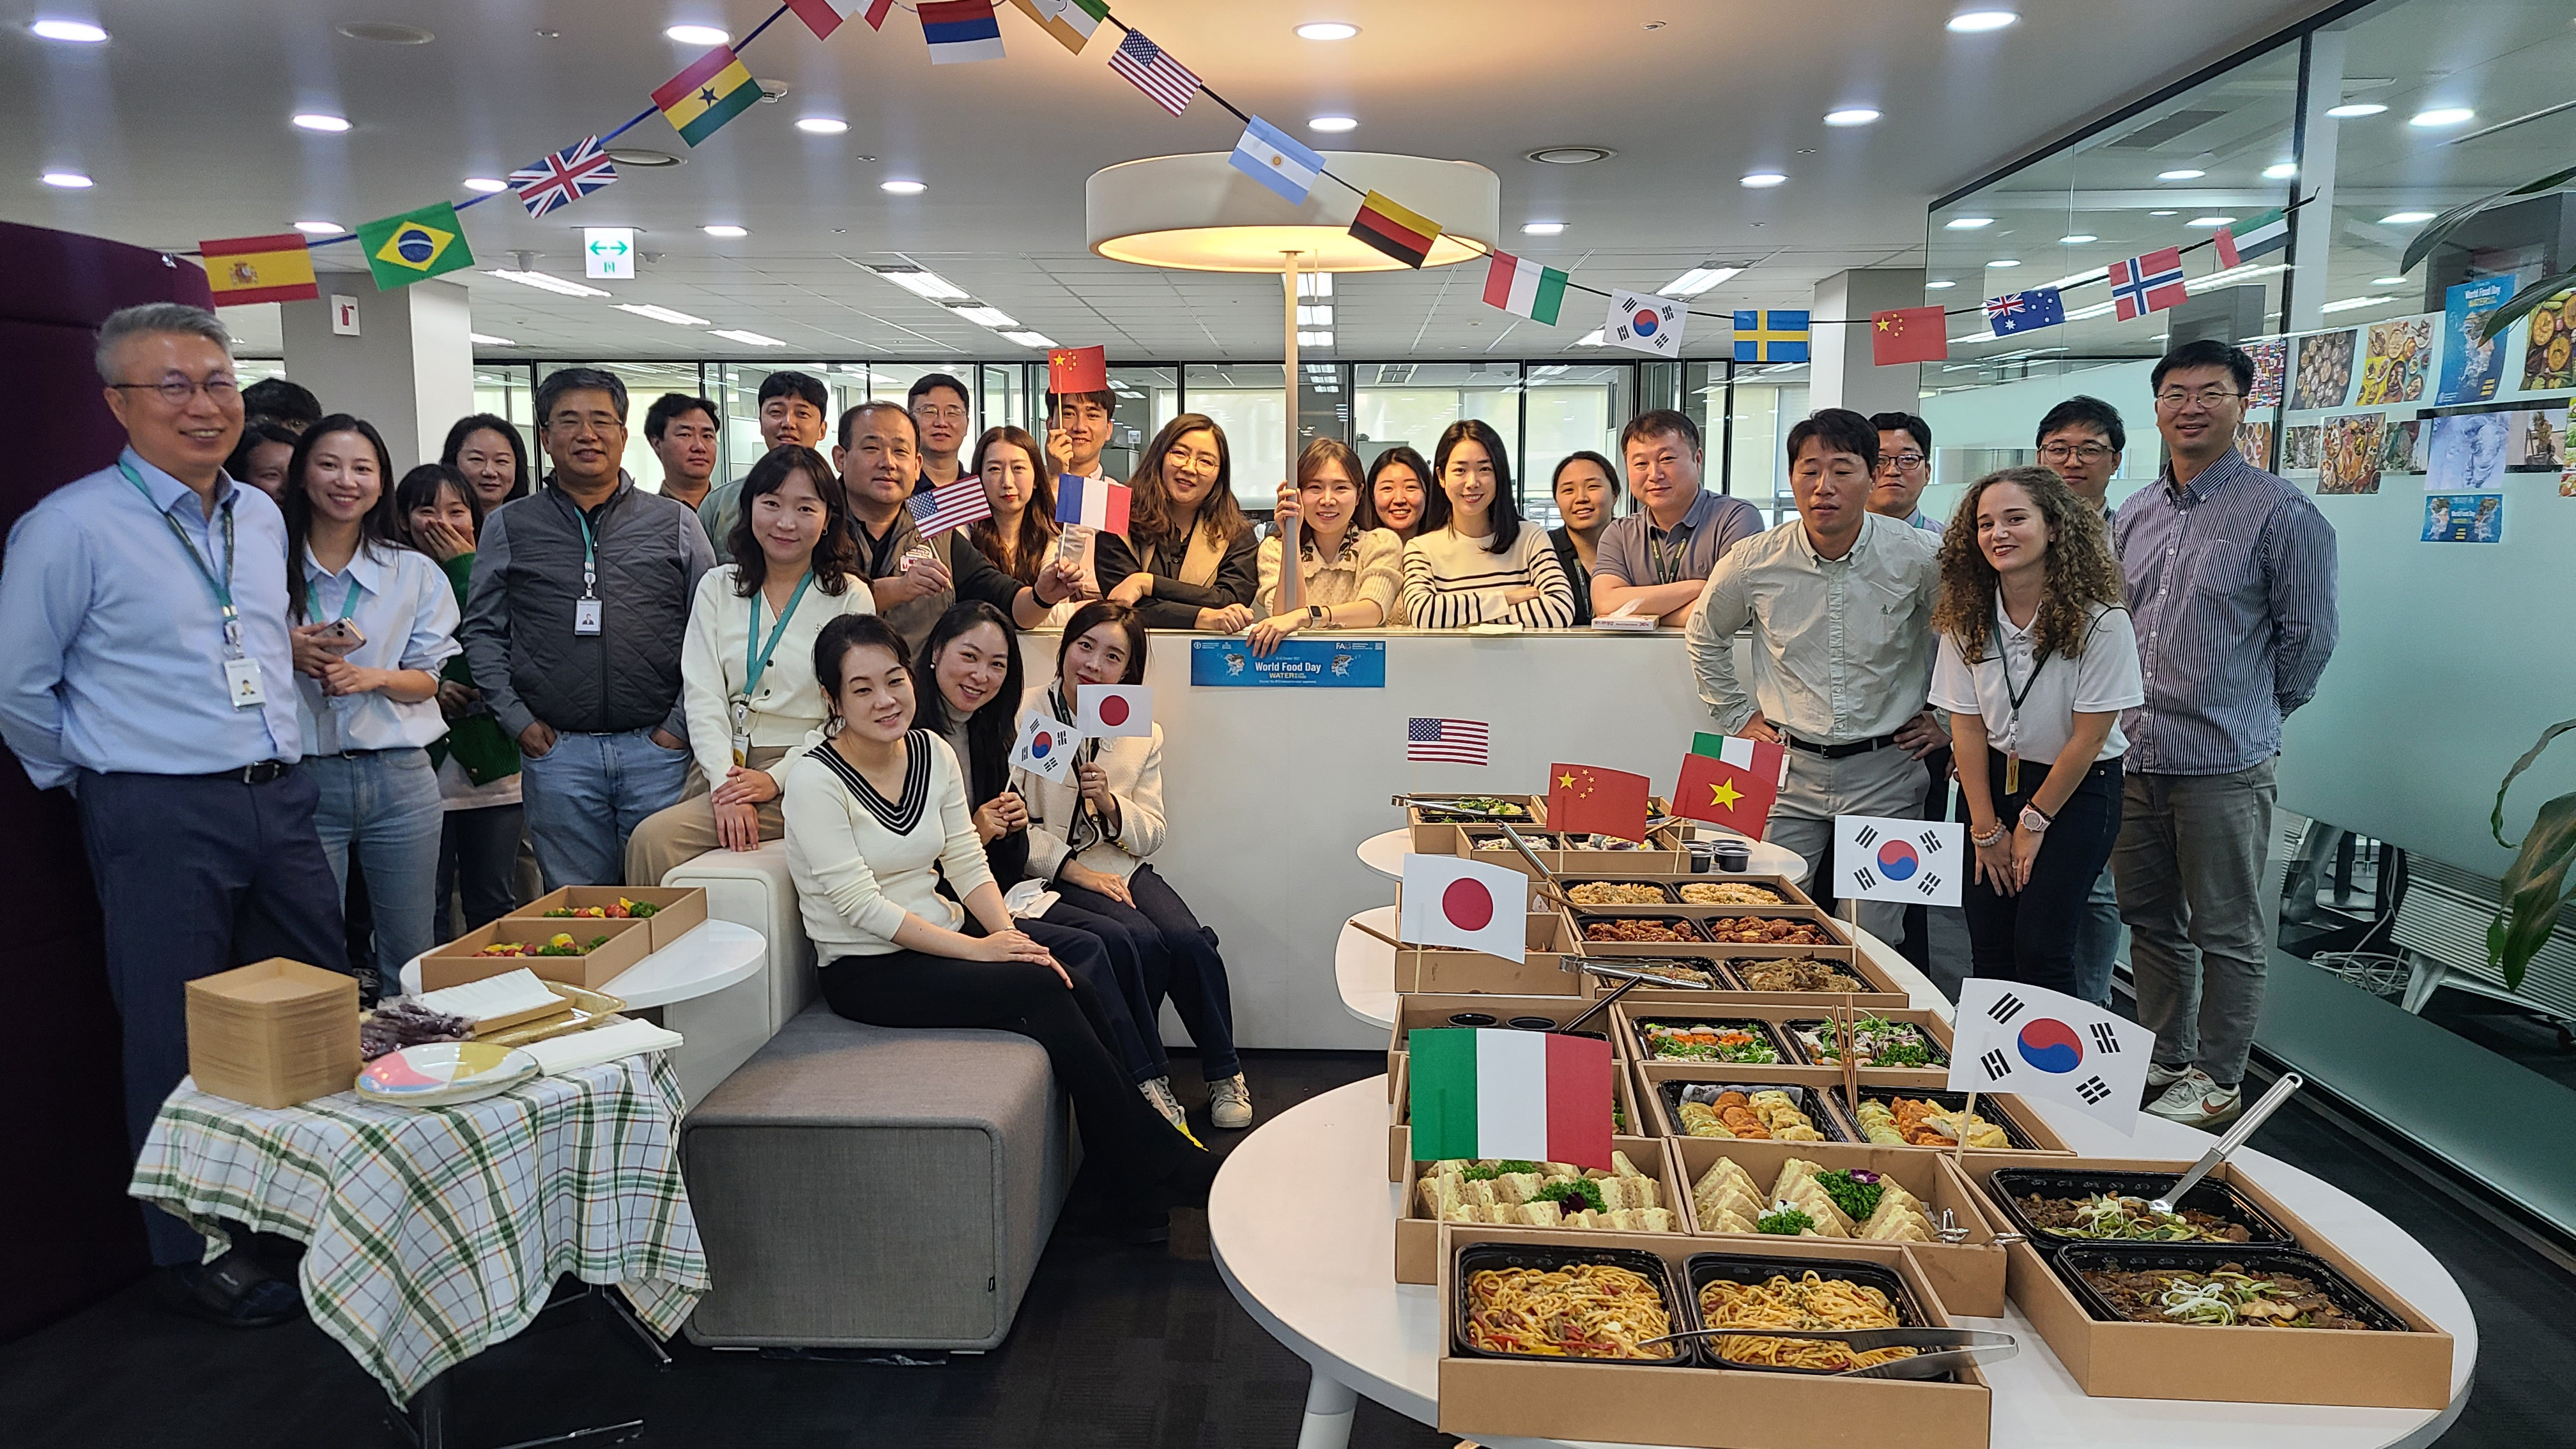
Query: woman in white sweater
[1349, 573]
[1482, 567]
[1091, 831]
[746, 664]
[876, 817]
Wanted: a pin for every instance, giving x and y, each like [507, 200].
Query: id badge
[585, 616]
[241, 681]
[742, 733]
[2012, 774]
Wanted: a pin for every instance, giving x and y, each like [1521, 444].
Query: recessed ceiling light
[486, 339]
[321, 121]
[1314, 339]
[2161, 213]
[1967, 223]
[2077, 239]
[643, 156]
[2280, 170]
[747, 339]
[76, 32]
[921, 282]
[320, 228]
[822, 125]
[1030, 339]
[2354, 110]
[697, 34]
[1970, 22]
[1570, 155]
[2209, 221]
[2350, 303]
[662, 314]
[1939, 286]
[1698, 280]
[1314, 284]
[1327, 30]
[545, 282]
[384, 33]
[2000, 262]
[2388, 281]
[1542, 228]
[982, 316]
[724, 229]
[1318, 315]
[2442, 116]
[902, 188]
[1758, 180]
[1851, 116]
[486, 184]
[2181, 173]
[1333, 124]
[68, 180]
[2405, 218]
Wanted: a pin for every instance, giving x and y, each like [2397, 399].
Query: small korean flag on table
[1110, 711]
[2033, 1042]
[1919, 862]
[1450, 901]
[1045, 746]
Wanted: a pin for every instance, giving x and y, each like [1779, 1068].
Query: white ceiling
[181, 118]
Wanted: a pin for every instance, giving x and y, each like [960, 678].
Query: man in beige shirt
[1840, 604]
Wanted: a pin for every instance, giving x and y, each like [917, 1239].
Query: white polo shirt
[2104, 679]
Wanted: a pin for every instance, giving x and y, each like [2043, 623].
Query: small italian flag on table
[1493, 1093]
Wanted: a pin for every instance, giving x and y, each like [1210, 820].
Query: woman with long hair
[1021, 536]
[2036, 660]
[876, 822]
[1587, 493]
[1187, 561]
[1091, 830]
[1348, 574]
[743, 676]
[487, 449]
[478, 763]
[371, 622]
[1482, 566]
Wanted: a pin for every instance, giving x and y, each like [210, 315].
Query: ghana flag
[401, 250]
[713, 90]
[1404, 235]
[1540, 1096]
[245, 269]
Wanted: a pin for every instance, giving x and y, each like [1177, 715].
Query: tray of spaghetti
[2059, 1207]
[2225, 1285]
[1520, 1301]
[1796, 973]
[1670, 1039]
[1739, 1290]
[1631, 930]
[1904, 1117]
[1762, 1112]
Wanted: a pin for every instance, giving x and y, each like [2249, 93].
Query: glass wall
[1414, 402]
[1568, 408]
[1247, 400]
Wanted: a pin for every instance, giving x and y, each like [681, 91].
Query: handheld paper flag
[1771, 336]
[1907, 334]
[960, 30]
[1111, 711]
[1404, 235]
[1077, 369]
[1731, 781]
[713, 90]
[2025, 311]
[1589, 800]
[1918, 862]
[1091, 503]
[564, 177]
[2150, 283]
[246, 269]
[1538, 1096]
[1278, 160]
[2256, 236]
[401, 250]
[1647, 324]
[1071, 22]
[1149, 68]
[1450, 901]
[936, 510]
[1525, 289]
[2028, 1040]
[1045, 746]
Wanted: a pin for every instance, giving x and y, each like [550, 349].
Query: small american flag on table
[1445, 741]
[936, 509]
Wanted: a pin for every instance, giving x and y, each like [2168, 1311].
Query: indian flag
[2254, 237]
[1524, 288]
[1539, 1096]
[1071, 22]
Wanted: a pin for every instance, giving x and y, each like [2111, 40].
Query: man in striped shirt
[2231, 580]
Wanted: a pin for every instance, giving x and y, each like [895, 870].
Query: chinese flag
[1908, 334]
[1078, 369]
[1731, 781]
[1589, 800]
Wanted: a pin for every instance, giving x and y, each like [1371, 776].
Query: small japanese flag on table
[1045, 746]
[1448, 901]
[1919, 862]
[1110, 711]
[1540, 1096]
[2008, 1037]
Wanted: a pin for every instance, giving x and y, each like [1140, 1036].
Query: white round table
[1364, 966]
[708, 959]
[1384, 853]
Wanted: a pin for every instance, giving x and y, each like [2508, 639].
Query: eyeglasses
[2089, 452]
[2173, 398]
[177, 391]
[950, 415]
[1900, 462]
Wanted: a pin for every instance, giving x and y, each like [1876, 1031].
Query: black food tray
[2070, 1264]
[1721, 978]
[1475, 1257]
[1762, 1029]
[1947, 1101]
[1790, 1030]
[1701, 1269]
[2008, 1184]
[1691, 933]
[1815, 1104]
[1671, 897]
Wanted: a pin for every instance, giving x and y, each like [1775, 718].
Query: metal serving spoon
[1951, 1348]
[2235, 1138]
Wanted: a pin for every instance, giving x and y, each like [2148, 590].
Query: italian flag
[1498, 1094]
[1525, 289]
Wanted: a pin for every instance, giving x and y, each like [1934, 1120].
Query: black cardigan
[1174, 604]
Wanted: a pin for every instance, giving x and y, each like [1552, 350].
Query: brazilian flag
[403, 249]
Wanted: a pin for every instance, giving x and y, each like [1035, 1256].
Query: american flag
[936, 510]
[1155, 73]
[1445, 741]
[566, 176]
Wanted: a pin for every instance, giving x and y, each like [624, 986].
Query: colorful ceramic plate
[441, 1074]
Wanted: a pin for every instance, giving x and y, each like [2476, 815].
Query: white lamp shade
[1198, 213]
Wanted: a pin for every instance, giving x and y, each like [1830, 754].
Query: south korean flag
[2008, 1037]
[1045, 746]
[1919, 862]
[1642, 322]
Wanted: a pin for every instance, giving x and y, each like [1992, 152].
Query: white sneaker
[1230, 1103]
[2160, 1076]
[1158, 1092]
[2196, 1101]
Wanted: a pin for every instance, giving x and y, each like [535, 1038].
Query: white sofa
[751, 888]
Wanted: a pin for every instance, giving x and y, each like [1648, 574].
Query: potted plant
[2535, 886]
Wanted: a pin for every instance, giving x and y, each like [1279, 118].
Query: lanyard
[589, 554]
[313, 600]
[221, 588]
[757, 664]
[2003, 661]
[1668, 554]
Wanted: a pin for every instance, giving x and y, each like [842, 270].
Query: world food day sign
[1296, 664]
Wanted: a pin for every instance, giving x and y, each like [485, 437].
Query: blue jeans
[2097, 939]
[384, 807]
[587, 794]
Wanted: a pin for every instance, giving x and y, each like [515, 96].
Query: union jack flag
[2150, 283]
[566, 176]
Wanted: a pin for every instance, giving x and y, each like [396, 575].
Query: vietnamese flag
[1493, 1092]
[1907, 334]
[1731, 781]
[1589, 800]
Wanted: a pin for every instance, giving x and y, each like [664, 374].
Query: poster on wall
[2395, 357]
[2299, 448]
[2534, 441]
[2401, 447]
[2468, 365]
[2348, 454]
[2324, 377]
[2463, 452]
[2567, 475]
[2254, 441]
[2464, 518]
[2271, 359]
[2549, 349]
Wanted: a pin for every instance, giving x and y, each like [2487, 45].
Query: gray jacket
[518, 628]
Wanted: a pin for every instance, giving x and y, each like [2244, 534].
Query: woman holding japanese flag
[1090, 833]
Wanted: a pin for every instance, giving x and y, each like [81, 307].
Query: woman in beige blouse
[1349, 573]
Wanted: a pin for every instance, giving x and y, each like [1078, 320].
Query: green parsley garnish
[1788, 1222]
[1573, 1193]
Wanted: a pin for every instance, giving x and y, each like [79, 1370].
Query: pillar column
[2312, 225]
[1840, 374]
[409, 369]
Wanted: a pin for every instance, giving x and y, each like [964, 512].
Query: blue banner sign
[1298, 663]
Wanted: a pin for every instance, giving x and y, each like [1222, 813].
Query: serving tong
[1946, 1348]
[2271, 1102]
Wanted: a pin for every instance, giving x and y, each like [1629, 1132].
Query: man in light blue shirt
[144, 663]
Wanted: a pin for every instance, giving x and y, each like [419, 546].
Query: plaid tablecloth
[435, 1233]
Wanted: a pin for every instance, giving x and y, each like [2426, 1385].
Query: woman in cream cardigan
[746, 664]
[1091, 832]
[1349, 572]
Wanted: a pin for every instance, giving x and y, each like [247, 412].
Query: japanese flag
[1447, 901]
[1919, 862]
[2040, 1043]
[1045, 746]
[1109, 711]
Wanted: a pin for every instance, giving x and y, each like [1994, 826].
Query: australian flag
[566, 176]
[2025, 311]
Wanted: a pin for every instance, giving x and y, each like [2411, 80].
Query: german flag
[1404, 235]
[246, 269]
[713, 90]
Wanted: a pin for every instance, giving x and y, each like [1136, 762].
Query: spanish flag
[713, 90]
[1404, 235]
[246, 269]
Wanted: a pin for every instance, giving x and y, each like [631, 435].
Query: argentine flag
[1276, 160]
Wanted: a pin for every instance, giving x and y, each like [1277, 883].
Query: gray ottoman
[867, 1187]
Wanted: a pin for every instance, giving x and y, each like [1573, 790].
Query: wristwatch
[1315, 615]
[1997, 838]
[2035, 820]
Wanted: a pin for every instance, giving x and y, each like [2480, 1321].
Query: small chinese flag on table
[1078, 369]
[1907, 334]
[1589, 800]
[1538, 1096]
[1731, 781]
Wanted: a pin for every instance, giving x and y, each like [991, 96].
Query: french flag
[1092, 502]
[960, 30]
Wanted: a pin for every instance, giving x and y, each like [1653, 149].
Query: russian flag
[1092, 502]
[960, 30]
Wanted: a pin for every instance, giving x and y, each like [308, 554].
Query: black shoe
[1187, 1184]
[234, 1291]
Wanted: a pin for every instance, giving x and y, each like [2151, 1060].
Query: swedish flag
[403, 249]
[1771, 337]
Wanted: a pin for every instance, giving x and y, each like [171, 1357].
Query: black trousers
[2031, 936]
[1129, 996]
[1190, 968]
[478, 857]
[197, 875]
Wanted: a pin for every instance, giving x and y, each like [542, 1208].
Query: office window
[1414, 402]
[1567, 408]
[1245, 400]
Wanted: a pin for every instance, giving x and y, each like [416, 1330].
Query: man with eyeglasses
[941, 411]
[2231, 582]
[2081, 440]
[144, 663]
[1904, 468]
[795, 407]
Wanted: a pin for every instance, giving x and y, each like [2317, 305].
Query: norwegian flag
[562, 178]
[2147, 284]
[936, 510]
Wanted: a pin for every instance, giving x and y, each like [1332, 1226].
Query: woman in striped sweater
[1482, 567]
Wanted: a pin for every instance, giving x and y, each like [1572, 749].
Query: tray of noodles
[1740, 1290]
[1521, 1302]
[2060, 1207]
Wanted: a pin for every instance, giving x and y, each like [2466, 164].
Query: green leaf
[2495, 821]
[2449, 221]
[2535, 886]
[2495, 322]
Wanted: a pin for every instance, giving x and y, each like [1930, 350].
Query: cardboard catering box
[1639, 1403]
[1798, 1063]
[1417, 1233]
[457, 962]
[680, 909]
[1671, 882]
[1449, 970]
[1431, 1009]
[1435, 834]
[273, 1033]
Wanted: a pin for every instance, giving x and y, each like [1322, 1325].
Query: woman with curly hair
[2036, 660]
